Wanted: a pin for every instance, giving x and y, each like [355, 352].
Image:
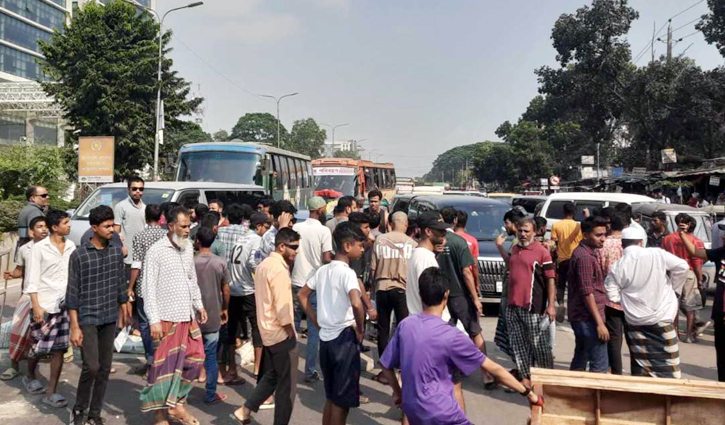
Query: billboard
[669, 156]
[95, 159]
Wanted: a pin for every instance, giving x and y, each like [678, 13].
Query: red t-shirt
[674, 245]
[529, 269]
[472, 243]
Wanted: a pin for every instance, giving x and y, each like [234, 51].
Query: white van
[187, 194]
[553, 209]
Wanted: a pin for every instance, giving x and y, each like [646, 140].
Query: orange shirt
[273, 294]
[567, 234]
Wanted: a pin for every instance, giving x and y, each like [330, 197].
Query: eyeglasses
[136, 189]
[45, 195]
[292, 247]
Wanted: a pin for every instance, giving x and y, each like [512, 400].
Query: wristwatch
[526, 393]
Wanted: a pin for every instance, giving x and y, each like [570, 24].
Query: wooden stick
[598, 413]
[668, 410]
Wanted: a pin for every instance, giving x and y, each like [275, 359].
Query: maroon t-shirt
[529, 269]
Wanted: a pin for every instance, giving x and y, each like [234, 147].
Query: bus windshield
[335, 182]
[215, 166]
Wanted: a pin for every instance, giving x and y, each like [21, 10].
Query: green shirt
[455, 257]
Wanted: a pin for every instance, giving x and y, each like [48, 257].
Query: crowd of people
[197, 282]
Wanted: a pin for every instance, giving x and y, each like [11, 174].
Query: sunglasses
[136, 189]
[45, 195]
[292, 247]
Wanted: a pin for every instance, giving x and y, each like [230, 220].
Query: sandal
[9, 374]
[243, 421]
[218, 398]
[364, 399]
[55, 400]
[33, 386]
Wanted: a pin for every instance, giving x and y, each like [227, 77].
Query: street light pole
[159, 139]
[333, 127]
[276, 99]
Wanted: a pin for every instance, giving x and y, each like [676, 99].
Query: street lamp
[333, 127]
[159, 108]
[276, 99]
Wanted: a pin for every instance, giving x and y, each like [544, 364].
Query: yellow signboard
[95, 159]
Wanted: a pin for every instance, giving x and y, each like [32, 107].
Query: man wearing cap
[244, 259]
[639, 282]
[314, 251]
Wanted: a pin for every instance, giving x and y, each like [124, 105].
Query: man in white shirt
[315, 250]
[246, 256]
[130, 217]
[639, 283]
[432, 240]
[340, 316]
[47, 283]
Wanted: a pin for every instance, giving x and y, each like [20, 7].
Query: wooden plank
[575, 402]
[642, 408]
[668, 410]
[549, 419]
[690, 411]
[629, 384]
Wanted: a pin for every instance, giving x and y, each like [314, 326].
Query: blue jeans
[145, 329]
[210, 364]
[589, 348]
[312, 355]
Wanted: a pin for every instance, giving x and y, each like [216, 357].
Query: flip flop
[240, 421]
[218, 398]
[9, 374]
[364, 399]
[33, 386]
[55, 400]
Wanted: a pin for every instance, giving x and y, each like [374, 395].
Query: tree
[447, 165]
[306, 138]
[258, 127]
[22, 166]
[347, 154]
[712, 25]
[186, 132]
[103, 71]
[220, 136]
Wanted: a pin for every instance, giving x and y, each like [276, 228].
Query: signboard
[333, 171]
[588, 160]
[554, 180]
[588, 173]
[714, 180]
[617, 172]
[95, 159]
[639, 170]
[669, 156]
[544, 182]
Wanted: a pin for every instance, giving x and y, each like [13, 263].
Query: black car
[485, 222]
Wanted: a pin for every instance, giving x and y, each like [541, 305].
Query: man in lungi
[47, 283]
[171, 300]
[20, 340]
[639, 283]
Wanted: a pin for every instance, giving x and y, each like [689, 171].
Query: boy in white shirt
[340, 317]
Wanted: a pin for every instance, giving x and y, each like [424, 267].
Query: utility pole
[669, 41]
[598, 175]
[652, 46]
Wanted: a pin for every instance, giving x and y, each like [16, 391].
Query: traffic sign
[554, 180]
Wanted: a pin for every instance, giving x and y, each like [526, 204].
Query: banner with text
[95, 159]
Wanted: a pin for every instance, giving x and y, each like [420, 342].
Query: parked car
[401, 203]
[529, 203]
[187, 194]
[464, 193]
[553, 209]
[702, 230]
[485, 220]
[501, 196]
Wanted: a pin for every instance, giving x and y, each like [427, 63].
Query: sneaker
[77, 417]
[313, 378]
[701, 329]
[267, 406]
[97, 420]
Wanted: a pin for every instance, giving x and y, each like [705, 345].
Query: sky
[412, 78]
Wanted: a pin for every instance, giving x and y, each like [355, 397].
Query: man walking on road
[587, 299]
[273, 293]
[609, 254]
[531, 297]
[340, 316]
[315, 251]
[658, 230]
[38, 199]
[47, 284]
[96, 297]
[172, 299]
[566, 233]
[646, 283]
[130, 217]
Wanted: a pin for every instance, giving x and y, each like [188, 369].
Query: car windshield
[112, 195]
[228, 167]
[484, 221]
[335, 186]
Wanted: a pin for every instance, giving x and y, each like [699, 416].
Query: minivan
[553, 209]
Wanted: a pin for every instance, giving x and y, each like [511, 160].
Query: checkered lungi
[530, 345]
[51, 336]
[20, 340]
[501, 339]
[654, 350]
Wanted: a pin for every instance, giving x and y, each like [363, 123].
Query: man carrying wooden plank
[638, 281]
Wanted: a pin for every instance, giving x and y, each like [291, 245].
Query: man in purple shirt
[428, 350]
[587, 299]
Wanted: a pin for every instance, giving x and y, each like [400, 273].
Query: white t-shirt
[23, 259]
[246, 256]
[421, 259]
[315, 239]
[333, 283]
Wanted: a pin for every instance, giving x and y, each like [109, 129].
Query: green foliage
[713, 25]
[448, 165]
[23, 166]
[258, 127]
[347, 154]
[220, 136]
[9, 211]
[306, 138]
[104, 71]
[186, 132]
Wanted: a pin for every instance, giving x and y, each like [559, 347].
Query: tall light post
[333, 127]
[278, 99]
[159, 107]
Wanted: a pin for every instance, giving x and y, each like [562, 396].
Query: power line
[683, 26]
[648, 45]
[641, 53]
[176, 37]
[689, 35]
[687, 9]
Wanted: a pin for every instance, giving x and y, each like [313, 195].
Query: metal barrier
[5, 261]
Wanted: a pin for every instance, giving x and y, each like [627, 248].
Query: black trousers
[97, 353]
[387, 302]
[615, 325]
[562, 272]
[279, 366]
[720, 348]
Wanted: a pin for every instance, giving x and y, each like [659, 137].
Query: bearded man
[171, 301]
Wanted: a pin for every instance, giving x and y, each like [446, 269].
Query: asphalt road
[483, 407]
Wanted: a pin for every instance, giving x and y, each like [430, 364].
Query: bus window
[292, 173]
[308, 167]
[298, 168]
[284, 172]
